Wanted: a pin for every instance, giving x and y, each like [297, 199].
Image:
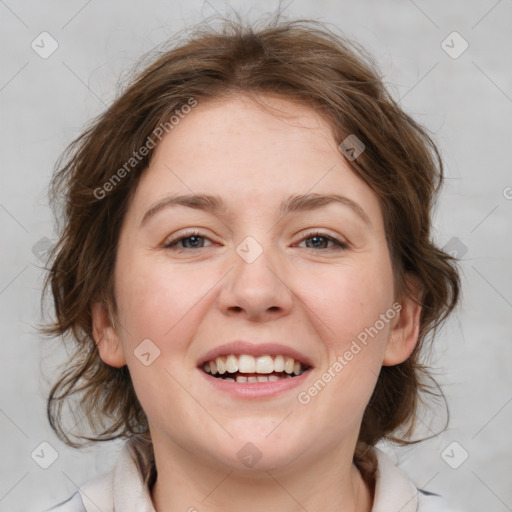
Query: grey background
[465, 101]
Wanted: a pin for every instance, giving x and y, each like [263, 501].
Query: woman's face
[275, 273]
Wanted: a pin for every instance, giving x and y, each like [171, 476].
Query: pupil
[317, 239]
[194, 240]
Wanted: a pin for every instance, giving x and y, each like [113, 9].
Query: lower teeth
[245, 379]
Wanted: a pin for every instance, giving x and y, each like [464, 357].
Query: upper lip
[240, 347]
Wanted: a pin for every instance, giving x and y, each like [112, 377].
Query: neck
[332, 484]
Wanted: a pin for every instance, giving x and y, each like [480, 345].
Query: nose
[256, 289]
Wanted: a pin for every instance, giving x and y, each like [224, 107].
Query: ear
[405, 327]
[106, 336]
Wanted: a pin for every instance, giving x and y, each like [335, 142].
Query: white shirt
[123, 489]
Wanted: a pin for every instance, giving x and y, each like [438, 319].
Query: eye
[191, 240]
[194, 240]
[320, 239]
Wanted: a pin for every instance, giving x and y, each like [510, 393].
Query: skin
[314, 297]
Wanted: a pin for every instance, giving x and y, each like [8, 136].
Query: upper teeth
[248, 364]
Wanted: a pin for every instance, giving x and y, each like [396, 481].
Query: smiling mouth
[245, 368]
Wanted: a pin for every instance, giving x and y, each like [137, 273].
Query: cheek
[347, 300]
[347, 303]
[347, 306]
[165, 306]
[156, 299]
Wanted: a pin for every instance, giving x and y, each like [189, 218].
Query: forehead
[242, 129]
[252, 156]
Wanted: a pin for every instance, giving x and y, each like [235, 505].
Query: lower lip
[256, 389]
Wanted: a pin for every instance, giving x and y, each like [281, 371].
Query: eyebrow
[215, 204]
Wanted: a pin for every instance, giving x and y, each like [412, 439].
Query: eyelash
[172, 244]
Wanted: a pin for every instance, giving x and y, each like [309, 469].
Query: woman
[247, 270]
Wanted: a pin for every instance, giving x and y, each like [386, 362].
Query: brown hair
[301, 60]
